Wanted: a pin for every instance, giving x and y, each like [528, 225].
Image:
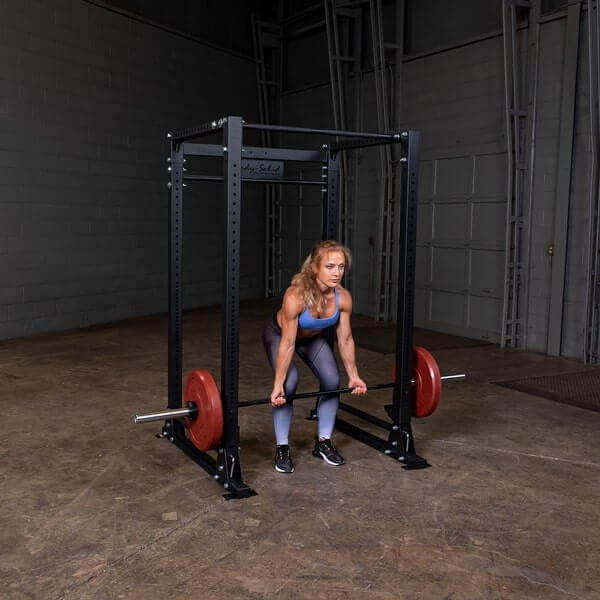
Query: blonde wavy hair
[305, 279]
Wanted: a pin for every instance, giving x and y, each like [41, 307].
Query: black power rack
[226, 469]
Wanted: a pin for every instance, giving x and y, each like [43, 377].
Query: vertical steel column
[266, 82]
[342, 63]
[335, 69]
[396, 149]
[387, 88]
[229, 471]
[513, 207]
[329, 229]
[520, 89]
[175, 256]
[232, 171]
[563, 184]
[330, 198]
[330, 215]
[351, 179]
[401, 438]
[516, 219]
[533, 78]
[263, 115]
[384, 229]
[590, 349]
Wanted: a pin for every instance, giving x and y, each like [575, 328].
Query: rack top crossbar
[217, 125]
[355, 134]
[193, 132]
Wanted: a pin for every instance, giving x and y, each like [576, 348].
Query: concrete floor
[93, 506]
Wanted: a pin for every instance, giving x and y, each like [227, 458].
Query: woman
[314, 301]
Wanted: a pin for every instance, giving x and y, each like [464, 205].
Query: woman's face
[330, 270]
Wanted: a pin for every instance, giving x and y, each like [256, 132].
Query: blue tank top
[306, 321]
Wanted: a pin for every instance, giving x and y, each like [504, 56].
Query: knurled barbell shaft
[181, 413]
[378, 386]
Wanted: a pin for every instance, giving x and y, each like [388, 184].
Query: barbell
[203, 409]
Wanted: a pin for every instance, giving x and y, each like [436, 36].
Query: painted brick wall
[301, 209]
[312, 108]
[86, 98]
[545, 198]
[368, 209]
[456, 99]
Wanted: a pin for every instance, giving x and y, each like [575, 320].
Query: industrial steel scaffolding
[521, 66]
[592, 314]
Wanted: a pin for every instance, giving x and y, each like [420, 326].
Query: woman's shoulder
[345, 297]
[293, 299]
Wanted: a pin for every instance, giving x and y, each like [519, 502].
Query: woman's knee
[330, 380]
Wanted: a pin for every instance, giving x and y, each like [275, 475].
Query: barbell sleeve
[192, 411]
[174, 413]
[451, 377]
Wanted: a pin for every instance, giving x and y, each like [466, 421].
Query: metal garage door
[460, 245]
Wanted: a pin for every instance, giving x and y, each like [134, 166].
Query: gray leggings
[317, 354]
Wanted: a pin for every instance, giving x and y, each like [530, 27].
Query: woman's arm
[346, 344]
[290, 310]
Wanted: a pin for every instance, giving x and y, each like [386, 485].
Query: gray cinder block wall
[86, 98]
[545, 198]
[301, 209]
[577, 241]
[455, 97]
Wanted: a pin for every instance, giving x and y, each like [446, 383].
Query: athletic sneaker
[326, 450]
[283, 460]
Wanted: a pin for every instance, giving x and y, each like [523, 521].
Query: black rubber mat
[382, 338]
[578, 389]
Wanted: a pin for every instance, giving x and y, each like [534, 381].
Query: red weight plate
[428, 382]
[206, 430]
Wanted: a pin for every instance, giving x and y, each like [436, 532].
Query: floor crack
[582, 463]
